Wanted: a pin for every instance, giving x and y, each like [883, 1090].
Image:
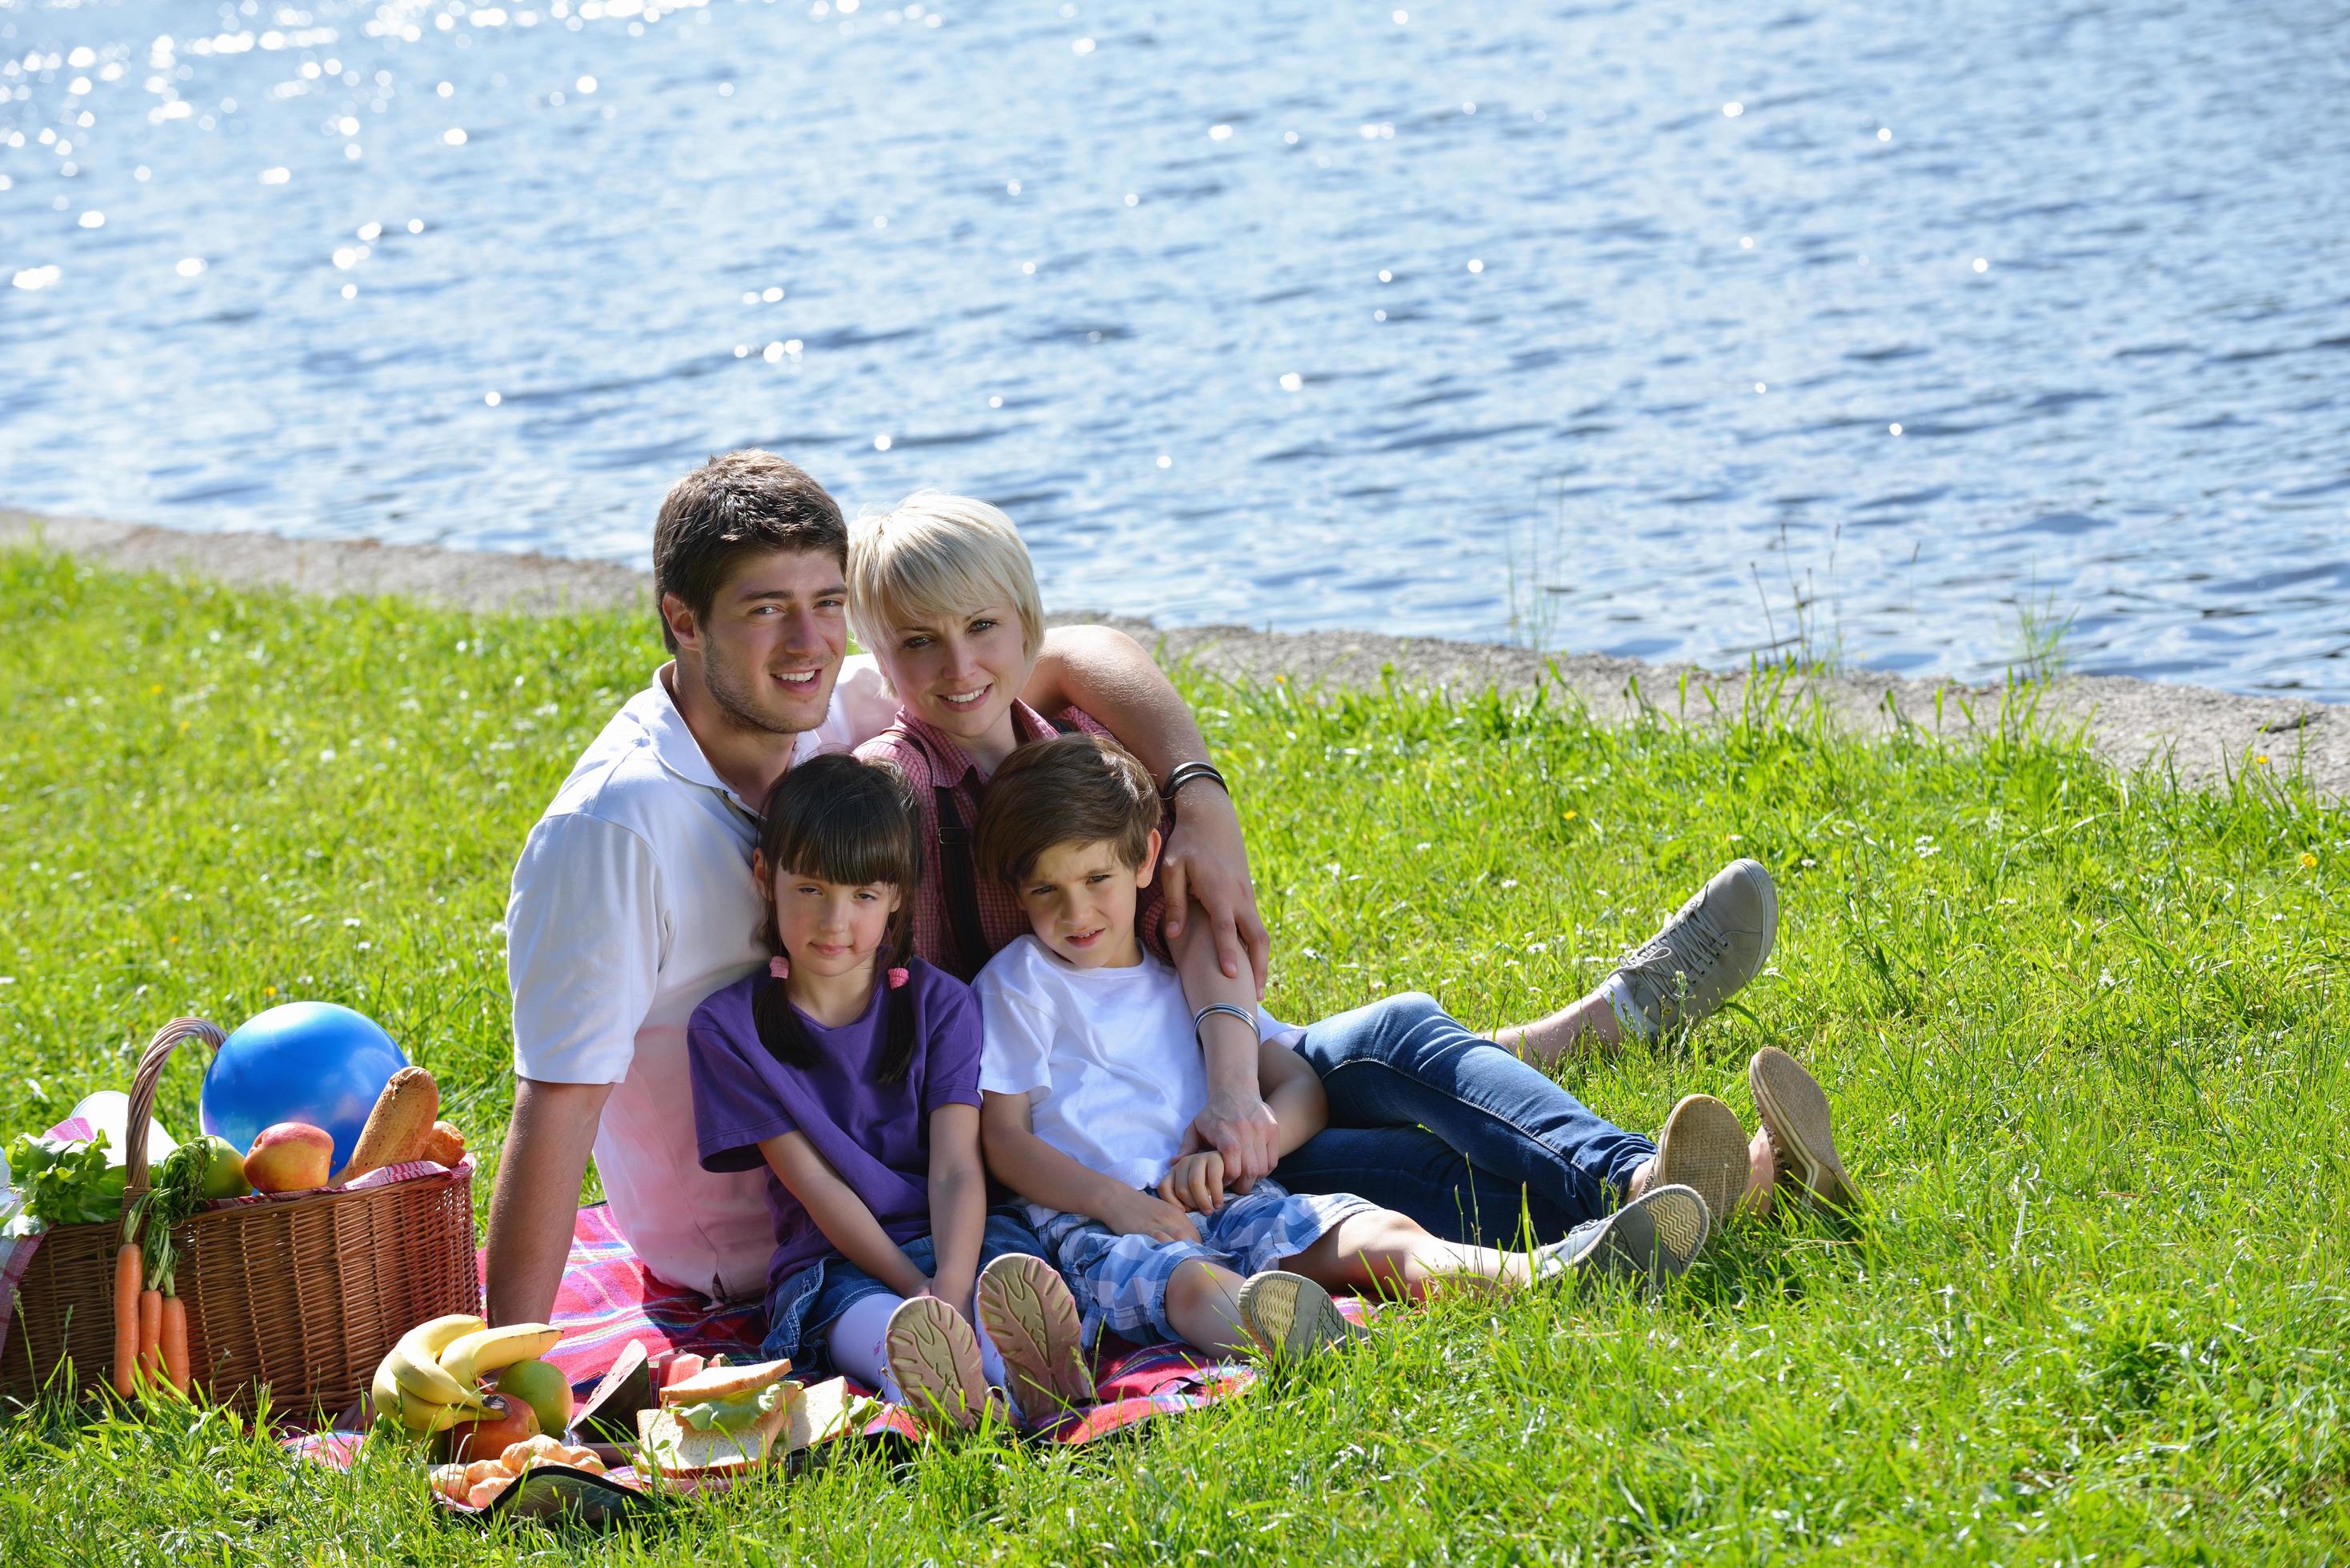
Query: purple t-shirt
[876, 1136]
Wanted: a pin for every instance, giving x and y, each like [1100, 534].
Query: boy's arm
[839, 1213]
[958, 1202]
[1293, 1092]
[1043, 1174]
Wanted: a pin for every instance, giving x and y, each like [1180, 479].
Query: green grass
[2088, 1039]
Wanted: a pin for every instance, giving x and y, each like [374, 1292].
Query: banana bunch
[431, 1380]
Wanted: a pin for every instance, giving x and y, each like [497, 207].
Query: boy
[1091, 1073]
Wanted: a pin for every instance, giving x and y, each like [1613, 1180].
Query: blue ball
[305, 1061]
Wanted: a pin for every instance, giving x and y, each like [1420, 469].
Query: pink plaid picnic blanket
[608, 1299]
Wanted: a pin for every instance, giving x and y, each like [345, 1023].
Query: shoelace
[1657, 959]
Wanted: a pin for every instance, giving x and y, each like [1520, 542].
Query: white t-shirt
[632, 902]
[1107, 1058]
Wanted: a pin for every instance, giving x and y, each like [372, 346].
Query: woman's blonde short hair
[934, 556]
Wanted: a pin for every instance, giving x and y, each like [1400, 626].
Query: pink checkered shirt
[933, 760]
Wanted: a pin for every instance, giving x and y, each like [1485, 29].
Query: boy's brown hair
[1071, 789]
[739, 503]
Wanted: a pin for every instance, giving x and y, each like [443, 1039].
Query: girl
[851, 1071]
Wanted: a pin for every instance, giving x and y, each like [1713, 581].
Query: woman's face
[831, 927]
[961, 672]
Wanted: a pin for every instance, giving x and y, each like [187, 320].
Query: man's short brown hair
[1071, 789]
[739, 503]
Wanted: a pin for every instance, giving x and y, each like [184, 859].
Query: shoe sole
[1794, 1112]
[1289, 1315]
[1032, 1319]
[1704, 1145]
[933, 1356]
[1652, 1238]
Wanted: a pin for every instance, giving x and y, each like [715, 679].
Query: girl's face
[830, 927]
[961, 673]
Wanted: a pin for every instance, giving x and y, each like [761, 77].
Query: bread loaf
[399, 1124]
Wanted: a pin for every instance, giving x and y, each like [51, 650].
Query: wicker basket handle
[142, 1094]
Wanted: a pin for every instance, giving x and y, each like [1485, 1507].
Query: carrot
[175, 1341]
[126, 1318]
[150, 1336]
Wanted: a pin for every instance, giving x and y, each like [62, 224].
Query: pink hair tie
[899, 977]
[780, 967]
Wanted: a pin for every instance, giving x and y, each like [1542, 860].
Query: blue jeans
[1453, 1131]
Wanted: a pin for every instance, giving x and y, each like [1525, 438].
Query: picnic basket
[301, 1295]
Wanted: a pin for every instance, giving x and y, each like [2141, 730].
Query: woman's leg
[1403, 1062]
[1413, 1171]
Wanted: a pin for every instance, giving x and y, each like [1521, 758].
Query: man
[633, 900]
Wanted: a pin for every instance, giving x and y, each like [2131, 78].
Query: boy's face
[1080, 899]
[961, 673]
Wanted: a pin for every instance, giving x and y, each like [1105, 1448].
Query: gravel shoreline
[2206, 733]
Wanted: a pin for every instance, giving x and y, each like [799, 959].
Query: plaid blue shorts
[1120, 1282]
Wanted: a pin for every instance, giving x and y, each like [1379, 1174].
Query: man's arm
[537, 1194]
[1043, 1174]
[1108, 675]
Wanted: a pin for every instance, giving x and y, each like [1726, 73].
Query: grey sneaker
[1290, 1315]
[1652, 1238]
[1707, 951]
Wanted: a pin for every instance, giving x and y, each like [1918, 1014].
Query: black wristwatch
[1187, 772]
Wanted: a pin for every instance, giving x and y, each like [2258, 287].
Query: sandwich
[719, 1421]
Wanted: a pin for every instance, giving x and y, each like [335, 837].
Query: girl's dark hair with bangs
[840, 820]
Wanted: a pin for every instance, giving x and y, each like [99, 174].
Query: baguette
[399, 1125]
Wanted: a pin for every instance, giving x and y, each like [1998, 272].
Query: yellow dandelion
[1568, 817]
[2308, 861]
[2262, 759]
[268, 991]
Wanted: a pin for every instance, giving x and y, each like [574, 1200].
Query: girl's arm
[958, 1202]
[839, 1213]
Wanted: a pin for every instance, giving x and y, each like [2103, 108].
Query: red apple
[291, 1156]
[510, 1420]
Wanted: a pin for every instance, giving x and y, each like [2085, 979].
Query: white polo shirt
[633, 901]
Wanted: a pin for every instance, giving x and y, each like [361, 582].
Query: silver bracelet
[1215, 1007]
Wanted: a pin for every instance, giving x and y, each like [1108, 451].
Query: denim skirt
[802, 1308]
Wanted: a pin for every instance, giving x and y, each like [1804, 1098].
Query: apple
[510, 1421]
[543, 1387]
[291, 1156]
[224, 1176]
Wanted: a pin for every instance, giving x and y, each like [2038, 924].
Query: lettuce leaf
[66, 1182]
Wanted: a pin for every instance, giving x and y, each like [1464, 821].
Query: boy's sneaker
[1028, 1311]
[1703, 956]
[1794, 1114]
[1290, 1315]
[1704, 1145]
[1652, 1238]
[932, 1356]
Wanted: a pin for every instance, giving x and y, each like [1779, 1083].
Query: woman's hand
[1205, 862]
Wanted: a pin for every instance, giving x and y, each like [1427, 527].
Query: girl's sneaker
[932, 1356]
[1651, 1238]
[1028, 1311]
[1794, 1114]
[1290, 1315]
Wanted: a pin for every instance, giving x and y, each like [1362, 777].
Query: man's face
[1080, 900]
[772, 641]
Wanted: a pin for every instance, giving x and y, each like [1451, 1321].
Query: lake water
[1887, 331]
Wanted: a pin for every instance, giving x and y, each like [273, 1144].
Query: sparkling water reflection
[1670, 331]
